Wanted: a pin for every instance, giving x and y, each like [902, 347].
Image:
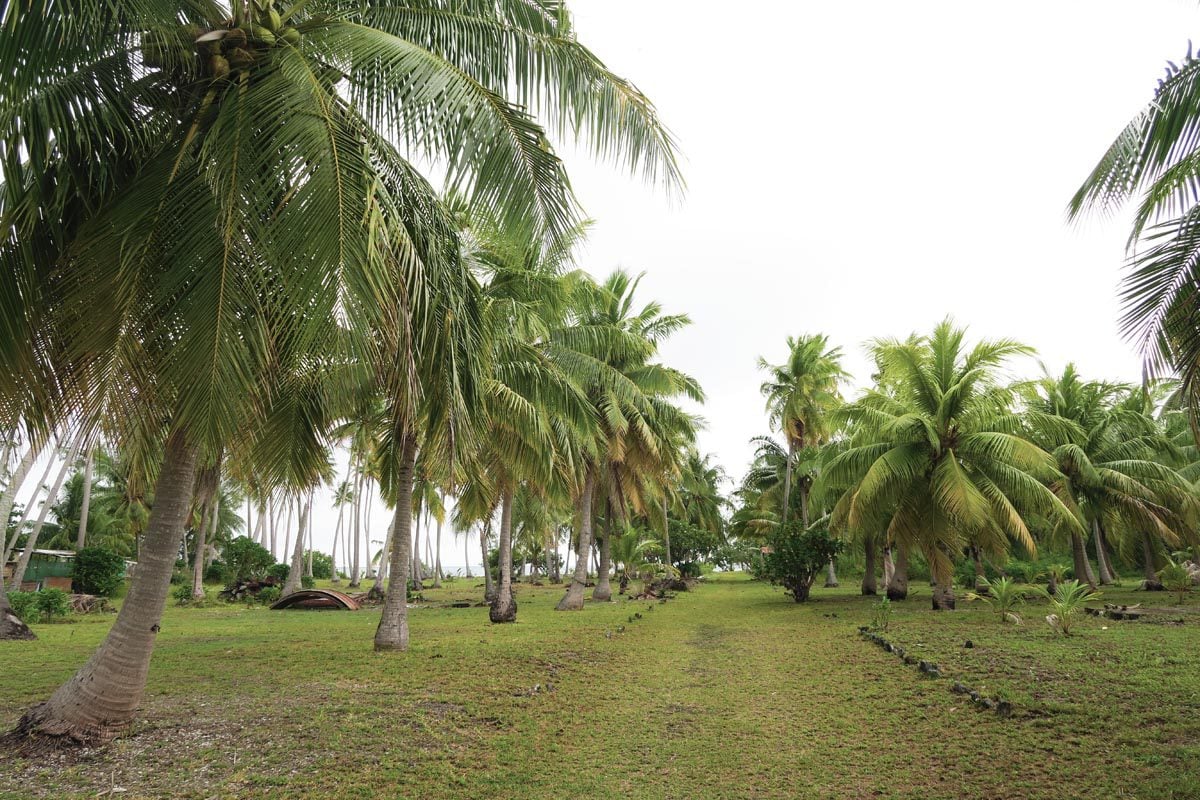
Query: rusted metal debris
[318, 600]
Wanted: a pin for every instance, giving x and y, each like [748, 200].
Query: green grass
[729, 691]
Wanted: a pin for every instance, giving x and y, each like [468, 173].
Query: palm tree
[801, 395]
[939, 461]
[1107, 458]
[226, 140]
[1155, 159]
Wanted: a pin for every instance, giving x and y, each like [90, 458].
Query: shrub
[307, 582]
[322, 566]
[797, 555]
[52, 604]
[279, 572]
[268, 595]
[689, 569]
[182, 594]
[217, 572]
[24, 605]
[97, 571]
[246, 560]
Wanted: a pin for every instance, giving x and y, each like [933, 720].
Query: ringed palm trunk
[207, 521]
[889, 565]
[416, 554]
[12, 544]
[1153, 584]
[101, 700]
[1107, 576]
[504, 604]
[573, 599]
[897, 587]
[356, 551]
[666, 532]
[869, 586]
[392, 633]
[337, 532]
[603, 589]
[295, 567]
[437, 556]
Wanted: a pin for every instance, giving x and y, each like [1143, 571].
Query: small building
[48, 569]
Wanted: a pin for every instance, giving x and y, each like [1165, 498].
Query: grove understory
[725, 691]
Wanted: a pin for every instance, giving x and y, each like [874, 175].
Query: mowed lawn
[729, 691]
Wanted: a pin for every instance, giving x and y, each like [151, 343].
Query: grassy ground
[729, 691]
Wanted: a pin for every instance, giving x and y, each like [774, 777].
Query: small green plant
[182, 594]
[268, 595]
[24, 605]
[1066, 604]
[881, 615]
[1055, 575]
[1004, 596]
[1176, 578]
[52, 604]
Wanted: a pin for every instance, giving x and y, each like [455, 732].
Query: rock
[968, 644]
[1004, 708]
[958, 688]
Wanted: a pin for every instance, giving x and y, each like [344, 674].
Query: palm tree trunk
[504, 604]
[869, 587]
[31, 543]
[573, 599]
[370, 565]
[666, 531]
[1082, 569]
[787, 482]
[943, 590]
[467, 553]
[392, 633]
[382, 573]
[551, 556]
[897, 586]
[1153, 584]
[86, 505]
[12, 544]
[355, 575]
[416, 554]
[603, 590]
[337, 533]
[287, 529]
[9, 496]
[271, 520]
[295, 567]
[207, 513]
[489, 587]
[437, 555]
[102, 698]
[1107, 576]
[889, 566]
[980, 573]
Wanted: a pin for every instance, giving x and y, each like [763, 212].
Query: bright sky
[863, 169]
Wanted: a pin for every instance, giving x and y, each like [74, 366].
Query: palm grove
[222, 259]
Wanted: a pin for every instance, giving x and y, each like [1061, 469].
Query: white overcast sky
[864, 169]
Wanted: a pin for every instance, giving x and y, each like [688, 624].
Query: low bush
[217, 572]
[44, 606]
[24, 605]
[797, 555]
[97, 571]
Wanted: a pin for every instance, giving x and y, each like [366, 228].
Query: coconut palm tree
[801, 395]
[938, 459]
[1154, 160]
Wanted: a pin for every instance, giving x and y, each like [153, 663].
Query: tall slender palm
[940, 462]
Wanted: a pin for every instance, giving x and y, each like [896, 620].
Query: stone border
[1002, 708]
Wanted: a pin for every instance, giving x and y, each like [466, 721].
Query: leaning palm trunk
[666, 532]
[86, 505]
[437, 556]
[1152, 582]
[207, 530]
[337, 533]
[504, 604]
[603, 588]
[869, 586]
[51, 496]
[787, 483]
[9, 496]
[294, 579]
[12, 544]
[573, 599]
[897, 586]
[392, 633]
[102, 699]
[1107, 576]
[416, 554]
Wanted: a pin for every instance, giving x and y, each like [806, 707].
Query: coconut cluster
[222, 50]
